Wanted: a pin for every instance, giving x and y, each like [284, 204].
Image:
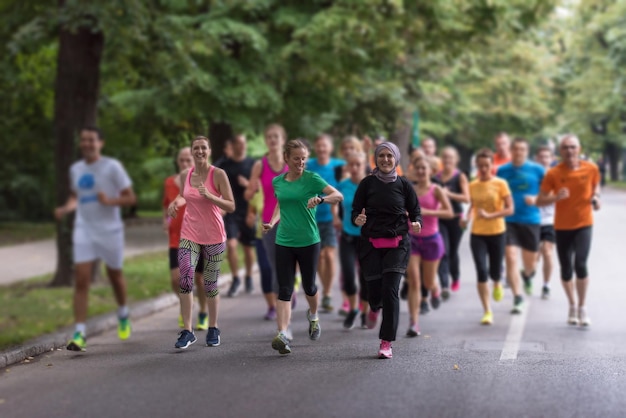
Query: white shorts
[105, 245]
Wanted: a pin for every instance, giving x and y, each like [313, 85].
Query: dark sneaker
[518, 305]
[185, 339]
[314, 327]
[249, 285]
[545, 293]
[327, 304]
[234, 287]
[528, 283]
[445, 294]
[77, 343]
[350, 320]
[413, 331]
[435, 300]
[281, 344]
[424, 308]
[213, 337]
[363, 321]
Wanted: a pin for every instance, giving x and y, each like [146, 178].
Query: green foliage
[172, 68]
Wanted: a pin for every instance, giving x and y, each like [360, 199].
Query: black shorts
[547, 234]
[525, 236]
[174, 261]
[236, 227]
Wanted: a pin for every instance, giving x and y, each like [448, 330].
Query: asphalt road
[532, 365]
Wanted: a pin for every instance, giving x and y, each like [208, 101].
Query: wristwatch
[321, 200]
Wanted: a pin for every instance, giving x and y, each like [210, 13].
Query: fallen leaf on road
[426, 336]
[456, 367]
[26, 361]
[2, 401]
[30, 358]
[49, 365]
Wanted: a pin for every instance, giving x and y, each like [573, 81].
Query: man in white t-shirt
[99, 187]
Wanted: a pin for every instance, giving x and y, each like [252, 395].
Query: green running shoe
[123, 328]
[77, 343]
[314, 327]
[281, 344]
[203, 321]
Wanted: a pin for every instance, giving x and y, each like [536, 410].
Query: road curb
[95, 326]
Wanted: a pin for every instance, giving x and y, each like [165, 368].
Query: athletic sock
[313, 317]
[122, 312]
[81, 327]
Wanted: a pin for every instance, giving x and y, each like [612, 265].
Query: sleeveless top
[430, 224]
[203, 222]
[267, 175]
[454, 185]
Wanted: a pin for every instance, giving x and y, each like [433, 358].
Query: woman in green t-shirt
[298, 192]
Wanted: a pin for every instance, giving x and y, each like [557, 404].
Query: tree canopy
[173, 69]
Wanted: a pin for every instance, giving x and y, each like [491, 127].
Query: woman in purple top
[426, 247]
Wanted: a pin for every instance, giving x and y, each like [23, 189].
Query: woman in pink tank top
[206, 192]
[427, 246]
[263, 172]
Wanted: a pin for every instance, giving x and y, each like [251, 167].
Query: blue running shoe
[213, 337]
[185, 339]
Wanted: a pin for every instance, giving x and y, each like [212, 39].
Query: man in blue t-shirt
[325, 165]
[523, 227]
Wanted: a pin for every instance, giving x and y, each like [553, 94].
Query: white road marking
[514, 336]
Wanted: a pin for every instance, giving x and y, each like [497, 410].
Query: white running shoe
[572, 318]
[583, 318]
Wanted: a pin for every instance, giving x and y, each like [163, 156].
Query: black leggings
[484, 246]
[348, 250]
[451, 232]
[286, 259]
[574, 243]
[383, 292]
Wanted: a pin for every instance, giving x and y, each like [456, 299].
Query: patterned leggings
[188, 255]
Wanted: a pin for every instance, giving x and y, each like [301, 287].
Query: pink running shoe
[456, 285]
[345, 308]
[372, 319]
[385, 350]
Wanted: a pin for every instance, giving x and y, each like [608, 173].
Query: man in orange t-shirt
[502, 143]
[172, 226]
[574, 187]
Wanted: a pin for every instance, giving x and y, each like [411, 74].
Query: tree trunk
[75, 105]
[613, 152]
[219, 133]
[402, 137]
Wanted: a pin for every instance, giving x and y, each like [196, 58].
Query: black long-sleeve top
[386, 207]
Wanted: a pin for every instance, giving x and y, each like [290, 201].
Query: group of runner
[298, 210]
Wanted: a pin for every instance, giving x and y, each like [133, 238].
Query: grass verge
[30, 309]
[12, 233]
[621, 184]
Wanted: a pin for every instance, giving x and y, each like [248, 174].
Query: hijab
[392, 175]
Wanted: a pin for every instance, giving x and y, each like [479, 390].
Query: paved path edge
[96, 325]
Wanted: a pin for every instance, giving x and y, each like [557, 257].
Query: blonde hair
[451, 149]
[351, 139]
[277, 127]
